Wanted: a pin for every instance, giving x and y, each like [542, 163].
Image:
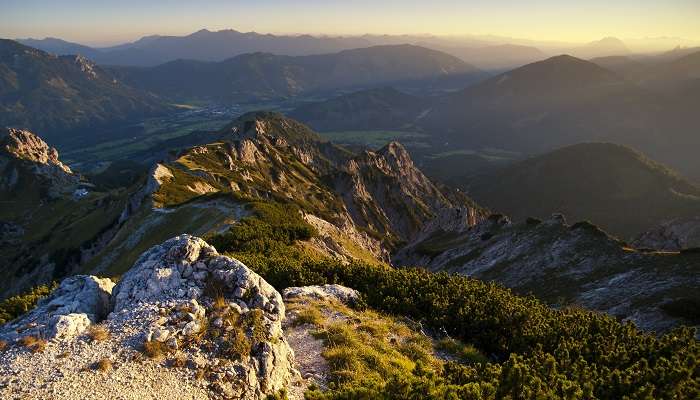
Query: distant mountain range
[608, 46]
[557, 102]
[205, 45]
[619, 189]
[488, 53]
[53, 94]
[380, 108]
[493, 57]
[259, 76]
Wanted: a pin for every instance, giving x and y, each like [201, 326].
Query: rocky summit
[182, 304]
[674, 235]
[22, 150]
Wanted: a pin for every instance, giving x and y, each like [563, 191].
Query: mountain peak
[24, 145]
[608, 40]
[255, 124]
[556, 73]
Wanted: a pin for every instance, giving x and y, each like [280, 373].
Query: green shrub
[535, 351]
[272, 227]
[15, 306]
[593, 355]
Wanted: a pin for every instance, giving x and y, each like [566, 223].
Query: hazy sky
[102, 21]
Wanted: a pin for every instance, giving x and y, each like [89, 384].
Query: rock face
[567, 264]
[175, 276]
[339, 293]
[384, 191]
[27, 146]
[180, 298]
[672, 236]
[78, 302]
[20, 149]
[359, 197]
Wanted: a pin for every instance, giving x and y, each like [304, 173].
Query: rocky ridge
[673, 235]
[267, 156]
[21, 149]
[52, 220]
[567, 264]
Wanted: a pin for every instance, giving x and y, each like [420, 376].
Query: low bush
[271, 227]
[97, 333]
[15, 306]
[34, 344]
[104, 365]
[534, 351]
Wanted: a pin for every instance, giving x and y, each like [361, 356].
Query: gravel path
[66, 369]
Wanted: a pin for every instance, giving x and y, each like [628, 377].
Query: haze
[97, 23]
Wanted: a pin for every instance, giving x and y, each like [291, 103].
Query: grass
[155, 350]
[373, 138]
[104, 365]
[464, 352]
[3, 345]
[34, 344]
[365, 348]
[309, 315]
[98, 333]
[178, 361]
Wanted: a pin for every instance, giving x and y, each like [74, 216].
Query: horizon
[640, 26]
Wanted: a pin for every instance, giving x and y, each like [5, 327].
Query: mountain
[674, 235]
[563, 101]
[542, 105]
[664, 73]
[205, 45]
[381, 108]
[362, 205]
[617, 188]
[61, 47]
[609, 46]
[678, 53]
[54, 94]
[495, 57]
[564, 264]
[262, 76]
[49, 213]
[622, 65]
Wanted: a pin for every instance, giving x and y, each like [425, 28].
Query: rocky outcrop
[183, 300]
[339, 293]
[671, 236]
[566, 264]
[78, 302]
[21, 151]
[386, 192]
[27, 146]
[176, 275]
[363, 205]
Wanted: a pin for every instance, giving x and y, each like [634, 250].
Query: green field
[376, 139]
[154, 131]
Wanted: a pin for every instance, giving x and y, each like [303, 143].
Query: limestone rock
[78, 302]
[158, 281]
[22, 150]
[27, 146]
[671, 236]
[325, 292]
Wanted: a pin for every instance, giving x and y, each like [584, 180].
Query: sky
[104, 22]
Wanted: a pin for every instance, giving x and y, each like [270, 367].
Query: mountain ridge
[614, 186]
[259, 75]
[56, 94]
